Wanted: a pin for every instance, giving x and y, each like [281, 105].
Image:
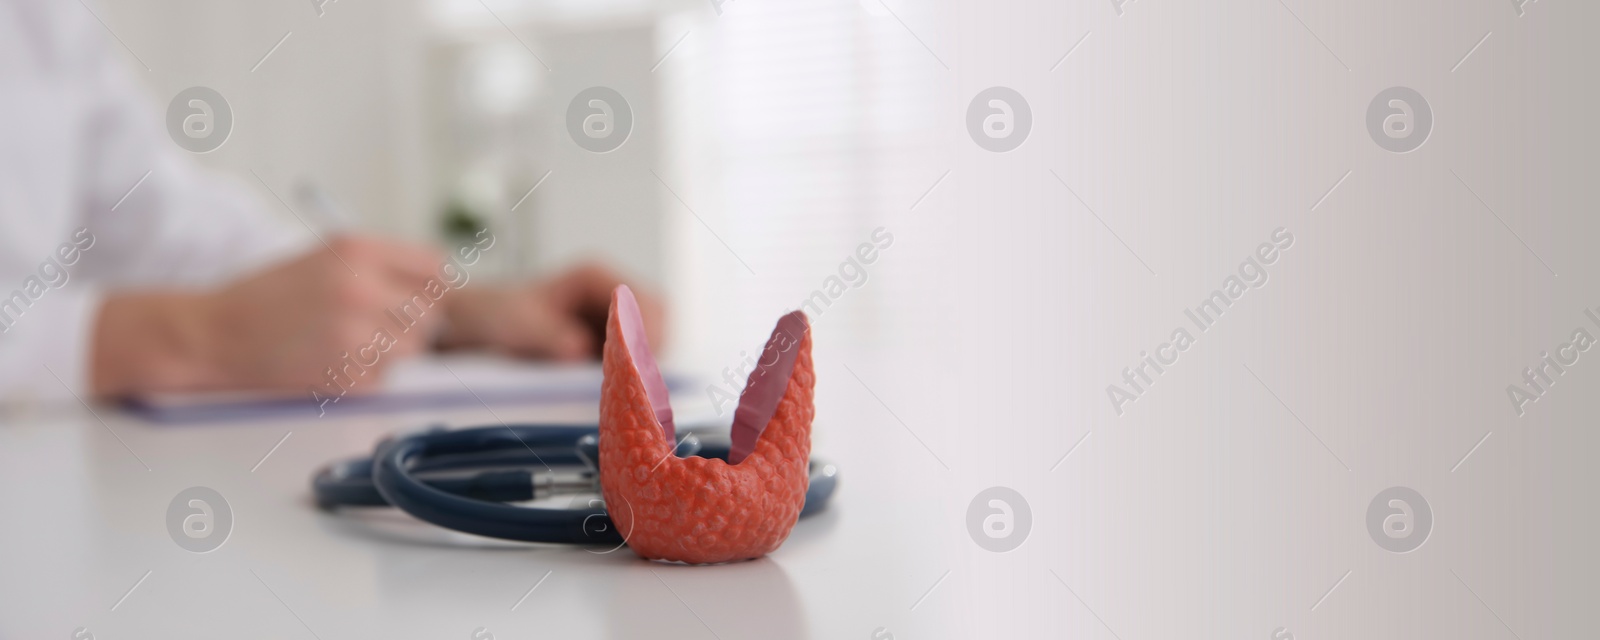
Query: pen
[326, 211]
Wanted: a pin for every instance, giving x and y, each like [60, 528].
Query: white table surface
[86, 524]
[1210, 512]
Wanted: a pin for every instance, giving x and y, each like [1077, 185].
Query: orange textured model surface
[704, 510]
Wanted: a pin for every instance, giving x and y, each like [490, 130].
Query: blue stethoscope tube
[484, 467]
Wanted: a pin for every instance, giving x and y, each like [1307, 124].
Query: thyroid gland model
[704, 510]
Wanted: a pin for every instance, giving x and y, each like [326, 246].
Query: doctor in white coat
[126, 269]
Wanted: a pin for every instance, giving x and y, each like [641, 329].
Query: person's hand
[562, 318]
[281, 328]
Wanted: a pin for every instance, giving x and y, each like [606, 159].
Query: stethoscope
[463, 480]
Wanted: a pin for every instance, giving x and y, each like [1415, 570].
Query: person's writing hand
[281, 328]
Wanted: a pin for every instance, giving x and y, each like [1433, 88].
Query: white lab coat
[77, 132]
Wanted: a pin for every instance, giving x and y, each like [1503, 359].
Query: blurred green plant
[459, 222]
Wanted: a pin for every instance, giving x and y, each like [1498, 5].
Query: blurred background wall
[769, 139]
